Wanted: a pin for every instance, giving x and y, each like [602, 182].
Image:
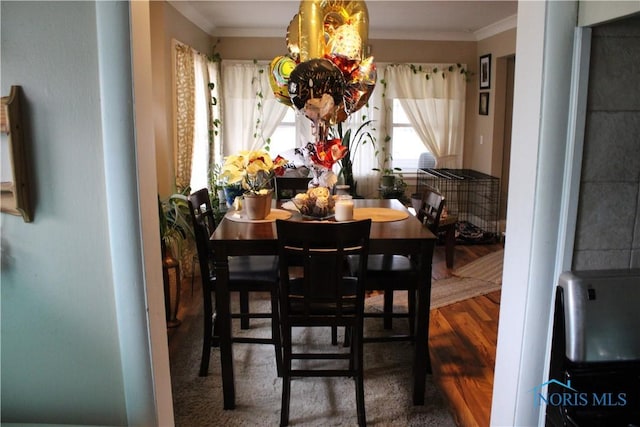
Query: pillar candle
[344, 210]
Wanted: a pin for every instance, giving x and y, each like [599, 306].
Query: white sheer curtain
[201, 147]
[250, 111]
[435, 107]
[364, 159]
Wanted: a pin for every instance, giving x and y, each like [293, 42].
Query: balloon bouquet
[325, 75]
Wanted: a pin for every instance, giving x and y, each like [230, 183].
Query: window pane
[283, 139]
[407, 147]
[399, 116]
[406, 144]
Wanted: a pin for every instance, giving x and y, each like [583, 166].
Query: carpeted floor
[319, 401]
[314, 402]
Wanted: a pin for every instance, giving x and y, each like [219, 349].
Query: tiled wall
[608, 228]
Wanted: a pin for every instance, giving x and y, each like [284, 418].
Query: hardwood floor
[463, 344]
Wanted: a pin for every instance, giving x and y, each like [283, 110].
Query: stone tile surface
[625, 27]
[612, 147]
[601, 260]
[614, 73]
[606, 215]
[635, 258]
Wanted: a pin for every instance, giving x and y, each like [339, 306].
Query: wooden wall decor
[15, 187]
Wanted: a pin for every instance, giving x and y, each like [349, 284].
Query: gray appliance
[594, 375]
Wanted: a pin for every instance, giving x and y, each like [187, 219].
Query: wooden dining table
[395, 236]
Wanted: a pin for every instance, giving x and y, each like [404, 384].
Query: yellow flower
[254, 169]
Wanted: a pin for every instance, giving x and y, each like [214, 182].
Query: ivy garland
[450, 69]
[215, 124]
[257, 130]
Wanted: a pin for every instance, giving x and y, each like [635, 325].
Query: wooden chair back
[429, 213]
[203, 222]
[319, 253]
[323, 294]
[288, 187]
[200, 205]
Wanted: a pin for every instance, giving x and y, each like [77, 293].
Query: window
[284, 137]
[295, 130]
[406, 144]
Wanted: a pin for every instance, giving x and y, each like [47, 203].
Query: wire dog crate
[472, 196]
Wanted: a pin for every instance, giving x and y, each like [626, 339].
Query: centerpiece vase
[257, 206]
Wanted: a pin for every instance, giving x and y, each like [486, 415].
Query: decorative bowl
[316, 203]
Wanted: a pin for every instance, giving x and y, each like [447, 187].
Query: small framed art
[485, 71]
[483, 108]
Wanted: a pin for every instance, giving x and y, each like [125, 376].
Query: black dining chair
[287, 187]
[247, 274]
[389, 273]
[323, 294]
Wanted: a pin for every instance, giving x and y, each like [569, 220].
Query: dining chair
[247, 274]
[389, 273]
[323, 294]
[287, 187]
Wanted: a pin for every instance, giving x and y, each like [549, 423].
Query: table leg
[450, 243]
[422, 360]
[223, 317]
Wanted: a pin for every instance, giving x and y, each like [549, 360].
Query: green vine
[214, 131]
[257, 130]
[443, 72]
[215, 123]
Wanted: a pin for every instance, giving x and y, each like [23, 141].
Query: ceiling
[388, 19]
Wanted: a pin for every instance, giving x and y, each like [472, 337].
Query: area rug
[479, 277]
[487, 268]
[314, 401]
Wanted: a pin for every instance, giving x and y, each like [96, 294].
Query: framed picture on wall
[483, 108]
[485, 71]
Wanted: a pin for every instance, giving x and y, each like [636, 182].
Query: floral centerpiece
[320, 158]
[317, 202]
[255, 171]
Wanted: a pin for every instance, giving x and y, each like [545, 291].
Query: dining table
[393, 231]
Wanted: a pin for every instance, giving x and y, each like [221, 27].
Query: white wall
[61, 345]
[593, 12]
[539, 140]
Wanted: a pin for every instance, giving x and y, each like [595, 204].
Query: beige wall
[483, 146]
[382, 50]
[168, 24]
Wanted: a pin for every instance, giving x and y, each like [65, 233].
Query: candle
[344, 210]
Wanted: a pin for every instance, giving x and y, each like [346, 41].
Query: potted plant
[388, 173]
[353, 139]
[175, 231]
[388, 178]
[217, 193]
[397, 190]
[392, 183]
[175, 223]
[254, 171]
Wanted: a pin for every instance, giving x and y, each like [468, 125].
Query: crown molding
[497, 28]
